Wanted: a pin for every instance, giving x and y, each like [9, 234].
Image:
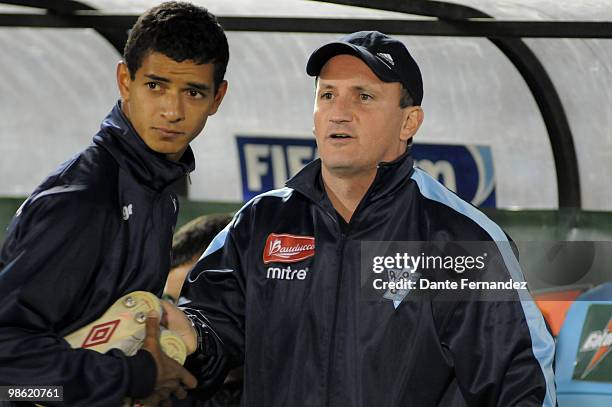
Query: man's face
[168, 102]
[357, 117]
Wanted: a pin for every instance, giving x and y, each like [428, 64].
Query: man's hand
[176, 321]
[172, 378]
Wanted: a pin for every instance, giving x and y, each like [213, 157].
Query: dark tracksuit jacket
[97, 228]
[308, 338]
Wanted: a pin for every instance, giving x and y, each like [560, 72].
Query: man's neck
[346, 191]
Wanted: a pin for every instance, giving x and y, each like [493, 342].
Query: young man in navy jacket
[101, 225]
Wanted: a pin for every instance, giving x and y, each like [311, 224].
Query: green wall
[8, 207]
[188, 210]
[520, 225]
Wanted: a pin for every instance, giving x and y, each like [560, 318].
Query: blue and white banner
[466, 170]
[267, 162]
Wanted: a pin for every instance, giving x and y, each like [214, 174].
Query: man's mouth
[340, 136]
[168, 132]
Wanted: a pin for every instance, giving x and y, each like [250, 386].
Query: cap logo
[386, 57]
[285, 248]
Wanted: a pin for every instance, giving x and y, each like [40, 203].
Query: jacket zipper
[332, 343]
[343, 237]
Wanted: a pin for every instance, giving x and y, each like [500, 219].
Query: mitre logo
[284, 248]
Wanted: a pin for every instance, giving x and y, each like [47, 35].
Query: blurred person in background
[188, 244]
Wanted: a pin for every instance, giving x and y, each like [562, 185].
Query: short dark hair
[190, 241]
[406, 99]
[181, 31]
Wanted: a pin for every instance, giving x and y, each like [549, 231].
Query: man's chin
[341, 168]
[348, 168]
[167, 148]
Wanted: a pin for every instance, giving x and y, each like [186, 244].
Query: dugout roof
[530, 78]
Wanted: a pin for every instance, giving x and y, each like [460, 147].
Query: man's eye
[365, 97]
[152, 85]
[195, 93]
[326, 95]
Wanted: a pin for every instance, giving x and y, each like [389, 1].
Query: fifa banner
[593, 359]
[267, 162]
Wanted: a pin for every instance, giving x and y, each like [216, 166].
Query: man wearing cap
[279, 289]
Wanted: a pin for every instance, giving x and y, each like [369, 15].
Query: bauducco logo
[284, 248]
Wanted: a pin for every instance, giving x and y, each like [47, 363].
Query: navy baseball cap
[387, 57]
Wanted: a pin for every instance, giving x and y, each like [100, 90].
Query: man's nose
[173, 109]
[341, 110]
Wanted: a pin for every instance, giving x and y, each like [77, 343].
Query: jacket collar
[389, 177]
[149, 167]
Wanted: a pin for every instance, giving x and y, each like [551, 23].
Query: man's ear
[123, 81]
[221, 90]
[413, 117]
